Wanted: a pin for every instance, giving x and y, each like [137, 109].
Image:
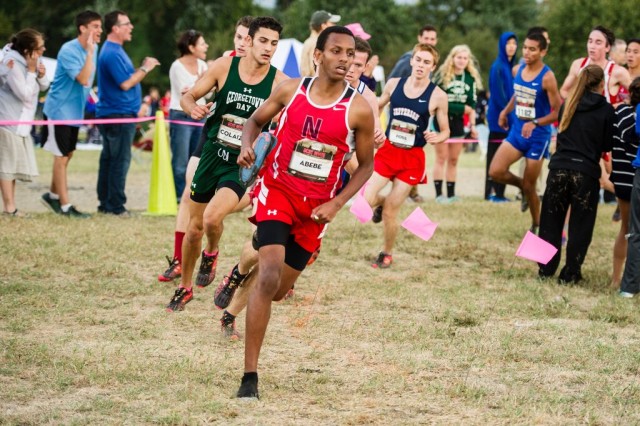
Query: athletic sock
[177, 245]
[227, 318]
[53, 196]
[438, 185]
[236, 275]
[66, 207]
[213, 253]
[451, 189]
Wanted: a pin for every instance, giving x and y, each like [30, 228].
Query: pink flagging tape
[185, 123]
[95, 121]
[74, 122]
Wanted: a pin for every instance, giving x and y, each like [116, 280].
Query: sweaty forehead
[424, 55]
[597, 35]
[267, 33]
[343, 40]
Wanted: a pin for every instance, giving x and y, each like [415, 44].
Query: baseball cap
[358, 31]
[319, 17]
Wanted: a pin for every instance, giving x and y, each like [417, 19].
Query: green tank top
[234, 104]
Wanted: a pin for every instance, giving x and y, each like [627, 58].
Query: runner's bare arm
[213, 78]
[272, 106]
[570, 80]
[372, 100]
[621, 76]
[550, 85]
[384, 99]
[361, 121]
[441, 105]
[502, 118]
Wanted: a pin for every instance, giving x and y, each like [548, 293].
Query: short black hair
[542, 42]
[245, 21]
[633, 40]
[264, 22]
[608, 34]
[188, 38]
[111, 19]
[324, 35]
[363, 46]
[537, 30]
[84, 18]
[428, 28]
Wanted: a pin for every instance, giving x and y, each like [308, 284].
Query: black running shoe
[249, 386]
[207, 271]
[227, 288]
[50, 203]
[377, 215]
[181, 297]
[73, 212]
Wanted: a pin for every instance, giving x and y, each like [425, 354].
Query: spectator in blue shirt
[71, 84]
[120, 97]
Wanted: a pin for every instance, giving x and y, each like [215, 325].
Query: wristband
[144, 69]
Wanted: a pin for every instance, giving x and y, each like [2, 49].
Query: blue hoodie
[500, 83]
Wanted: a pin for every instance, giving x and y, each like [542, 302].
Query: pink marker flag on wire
[419, 224]
[535, 248]
[361, 209]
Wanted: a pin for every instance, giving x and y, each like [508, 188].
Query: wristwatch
[144, 69]
[535, 122]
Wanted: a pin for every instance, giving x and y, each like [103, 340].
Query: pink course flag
[535, 248]
[419, 224]
[361, 209]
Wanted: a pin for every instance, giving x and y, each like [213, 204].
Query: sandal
[14, 213]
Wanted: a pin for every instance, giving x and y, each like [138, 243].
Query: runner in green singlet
[242, 85]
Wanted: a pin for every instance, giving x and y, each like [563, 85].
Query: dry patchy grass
[455, 332]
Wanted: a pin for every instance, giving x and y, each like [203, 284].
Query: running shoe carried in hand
[207, 271]
[261, 148]
[383, 261]
[227, 288]
[173, 271]
[181, 297]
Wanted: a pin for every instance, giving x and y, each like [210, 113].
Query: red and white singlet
[313, 141]
[608, 70]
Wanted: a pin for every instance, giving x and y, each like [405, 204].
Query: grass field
[458, 331]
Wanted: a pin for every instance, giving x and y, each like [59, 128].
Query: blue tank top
[409, 117]
[531, 102]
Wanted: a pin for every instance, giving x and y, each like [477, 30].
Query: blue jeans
[184, 140]
[114, 164]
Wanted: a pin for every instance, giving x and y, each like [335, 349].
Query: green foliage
[575, 18]
[393, 26]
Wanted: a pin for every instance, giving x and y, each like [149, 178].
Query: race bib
[525, 108]
[230, 131]
[312, 160]
[401, 134]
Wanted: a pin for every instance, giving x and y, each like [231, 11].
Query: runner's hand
[326, 212]
[247, 157]
[200, 111]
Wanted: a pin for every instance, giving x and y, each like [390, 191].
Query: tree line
[393, 27]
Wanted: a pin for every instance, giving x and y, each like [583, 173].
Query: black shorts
[59, 139]
[274, 232]
[203, 138]
[456, 126]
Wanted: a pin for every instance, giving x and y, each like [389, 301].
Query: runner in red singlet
[323, 121]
